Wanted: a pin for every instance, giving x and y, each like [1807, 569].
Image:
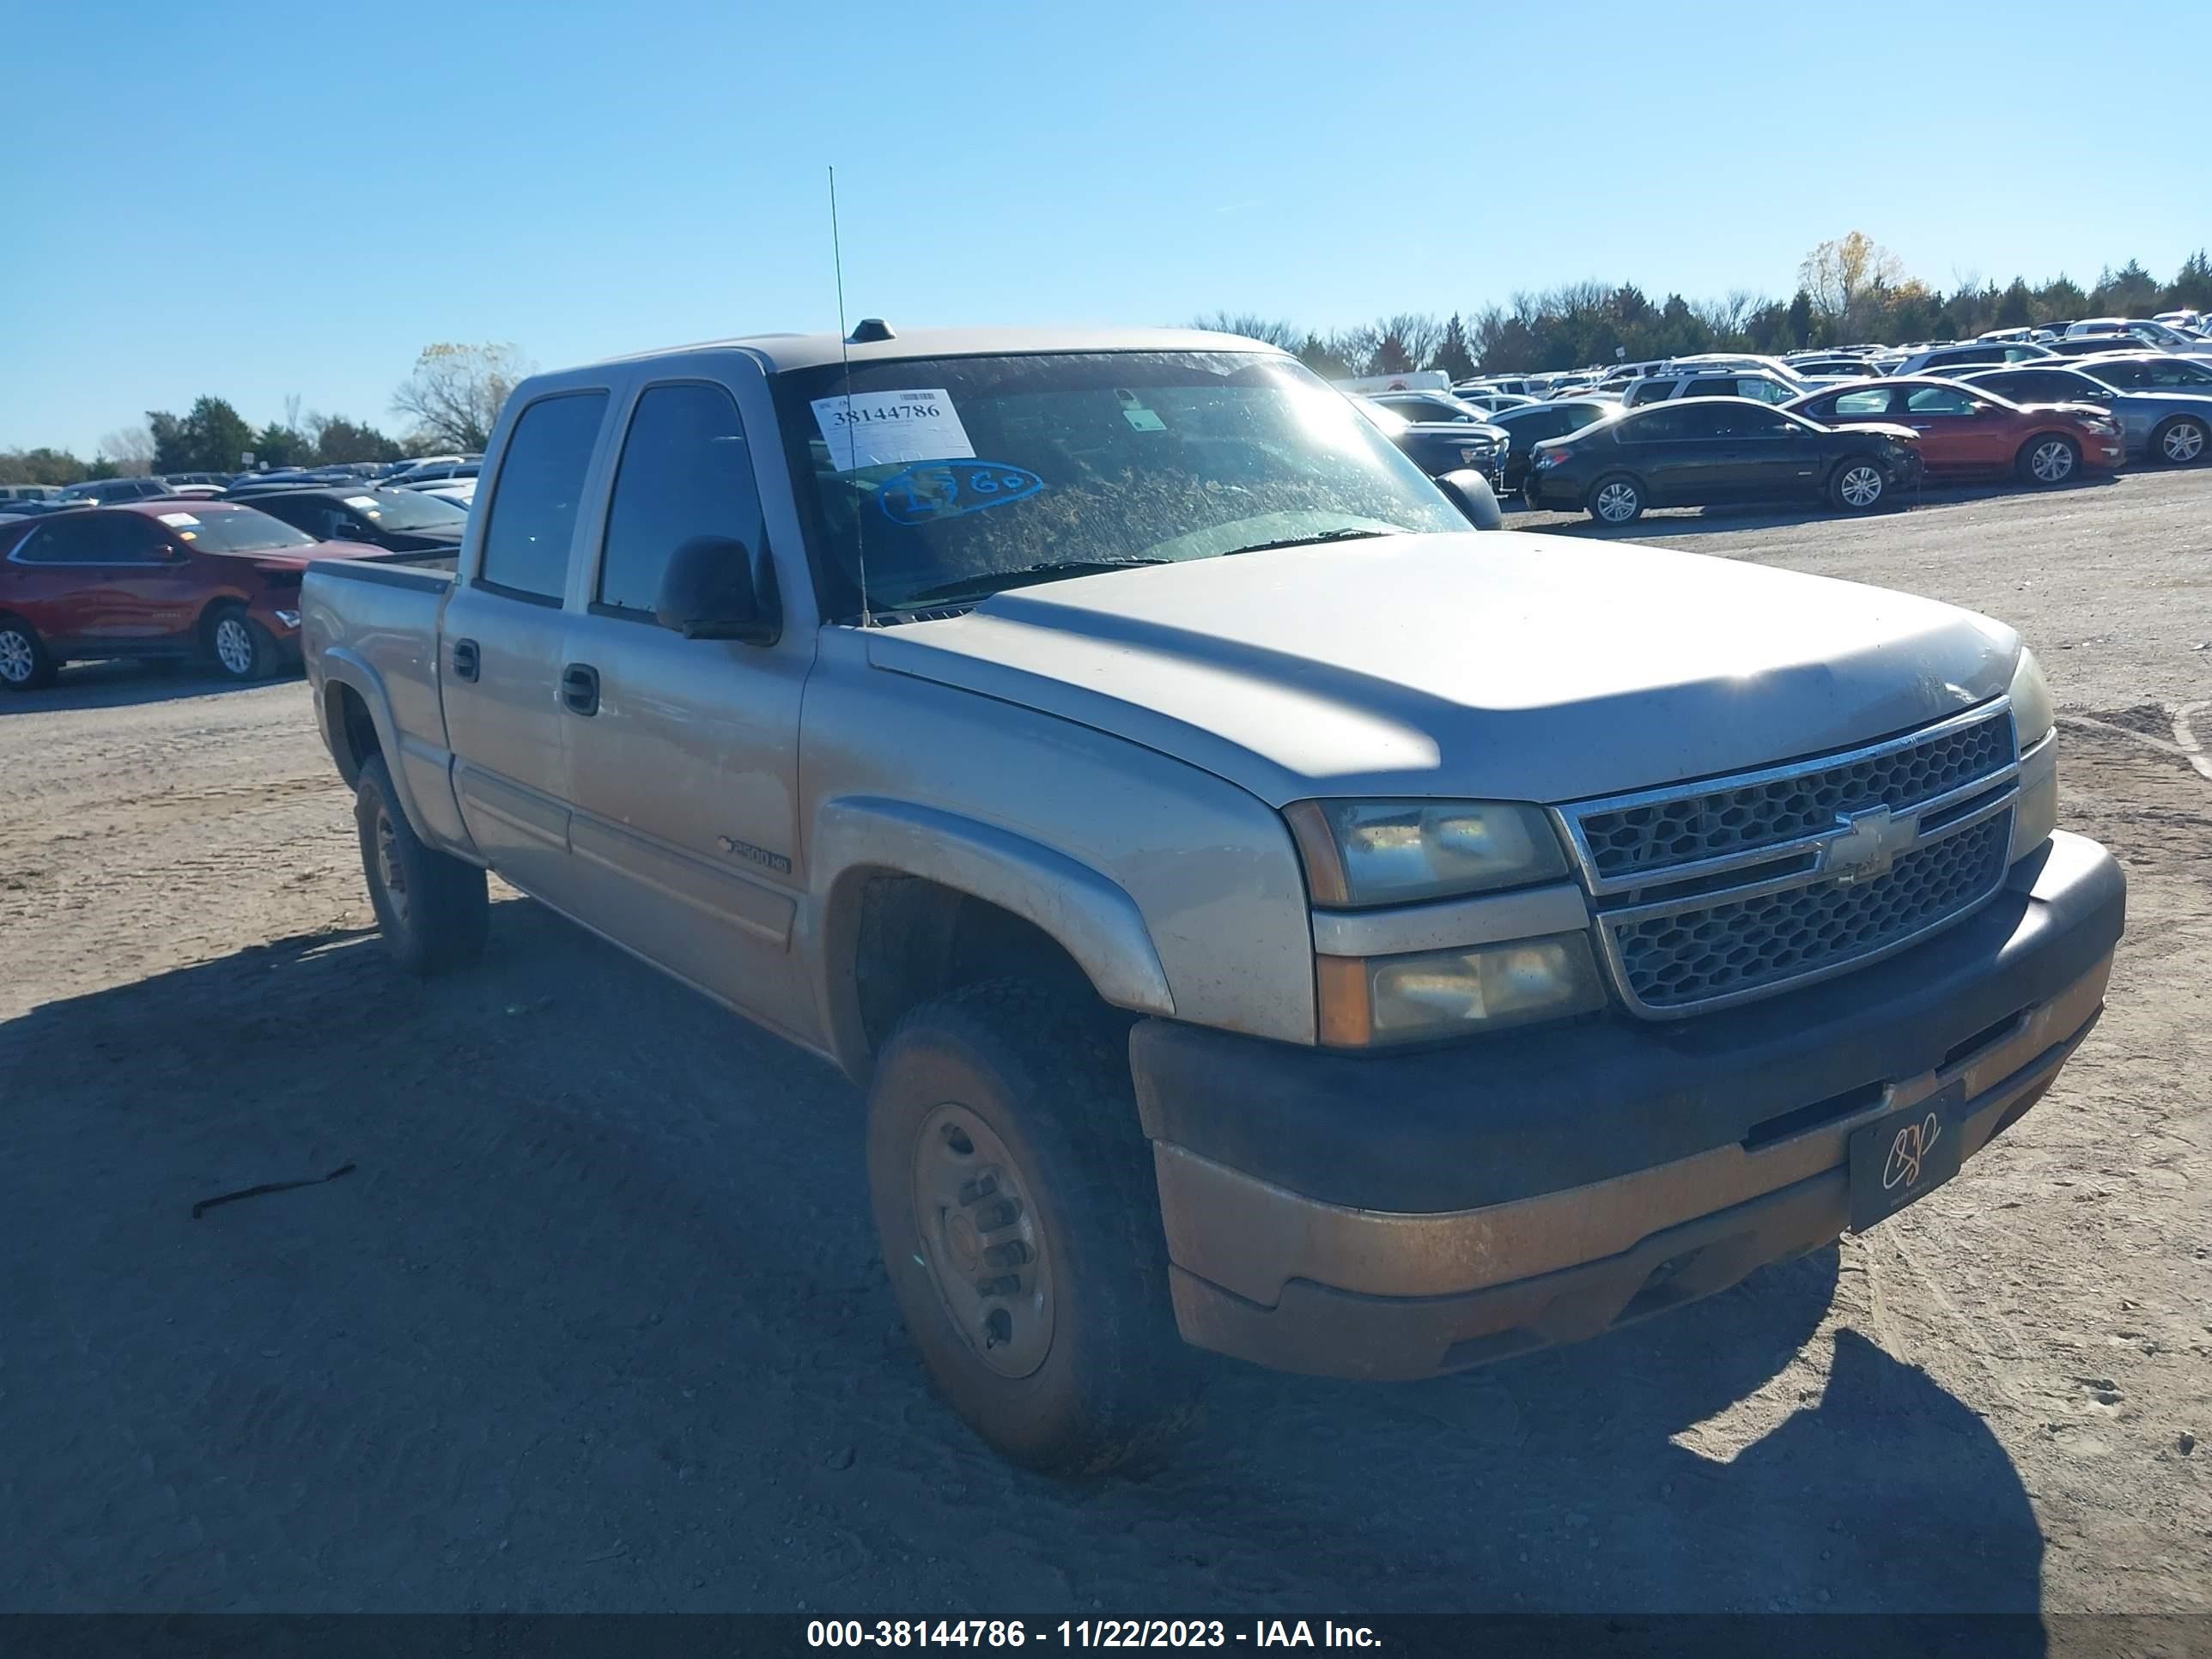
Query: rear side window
[95, 539]
[1660, 426]
[1938, 400]
[1871, 400]
[686, 471]
[532, 514]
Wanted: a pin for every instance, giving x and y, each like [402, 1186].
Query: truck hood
[1504, 665]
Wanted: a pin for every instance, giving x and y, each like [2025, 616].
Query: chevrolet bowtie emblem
[1869, 844]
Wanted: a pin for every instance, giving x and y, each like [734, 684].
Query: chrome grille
[1690, 958]
[1718, 891]
[1652, 835]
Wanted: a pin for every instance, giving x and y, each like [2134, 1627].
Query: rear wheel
[25, 664]
[1616, 499]
[434, 910]
[241, 647]
[1858, 486]
[1020, 1223]
[2181, 441]
[2050, 459]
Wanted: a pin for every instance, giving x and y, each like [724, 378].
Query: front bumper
[1399, 1215]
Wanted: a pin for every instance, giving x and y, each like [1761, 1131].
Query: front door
[681, 778]
[1764, 454]
[501, 642]
[1958, 433]
[157, 593]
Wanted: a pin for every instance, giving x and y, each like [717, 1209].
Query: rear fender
[421, 768]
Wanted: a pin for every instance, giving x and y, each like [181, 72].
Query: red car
[1970, 431]
[159, 579]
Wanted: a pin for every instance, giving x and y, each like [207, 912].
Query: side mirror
[1470, 492]
[708, 593]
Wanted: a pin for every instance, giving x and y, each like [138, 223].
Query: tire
[2049, 459]
[240, 648]
[1615, 499]
[434, 910]
[1857, 486]
[2184, 440]
[25, 663]
[1020, 1223]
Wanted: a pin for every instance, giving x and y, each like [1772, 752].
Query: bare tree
[130, 448]
[454, 395]
[1837, 273]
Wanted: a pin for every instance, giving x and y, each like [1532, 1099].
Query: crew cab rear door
[682, 775]
[502, 639]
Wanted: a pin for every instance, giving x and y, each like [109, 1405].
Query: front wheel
[242, 648]
[434, 910]
[2049, 459]
[25, 663]
[1617, 500]
[2180, 443]
[1019, 1220]
[1857, 487]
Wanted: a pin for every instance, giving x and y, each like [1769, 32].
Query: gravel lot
[595, 1323]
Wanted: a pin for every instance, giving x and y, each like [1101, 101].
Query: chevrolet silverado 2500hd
[1265, 915]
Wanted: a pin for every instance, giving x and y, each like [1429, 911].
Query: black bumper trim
[1541, 1111]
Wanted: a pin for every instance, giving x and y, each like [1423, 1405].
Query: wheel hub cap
[1861, 486]
[982, 1244]
[1616, 501]
[2184, 443]
[2053, 461]
[233, 646]
[15, 658]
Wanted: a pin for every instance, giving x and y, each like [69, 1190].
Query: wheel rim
[17, 659]
[1616, 503]
[391, 874]
[1861, 486]
[2051, 461]
[233, 646]
[2183, 441]
[981, 1241]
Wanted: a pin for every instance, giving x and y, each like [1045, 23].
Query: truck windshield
[962, 474]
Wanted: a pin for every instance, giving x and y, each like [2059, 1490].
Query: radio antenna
[852, 442]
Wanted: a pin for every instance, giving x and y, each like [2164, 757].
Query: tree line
[1850, 291]
[452, 397]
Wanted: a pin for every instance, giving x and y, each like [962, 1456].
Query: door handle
[580, 688]
[466, 662]
[1921, 426]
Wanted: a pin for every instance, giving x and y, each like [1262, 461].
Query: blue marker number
[945, 490]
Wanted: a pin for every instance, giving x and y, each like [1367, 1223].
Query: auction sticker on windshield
[890, 429]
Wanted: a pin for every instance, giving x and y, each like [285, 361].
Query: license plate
[1906, 1154]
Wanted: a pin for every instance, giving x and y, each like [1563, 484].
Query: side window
[1648, 391]
[1709, 388]
[1868, 400]
[1938, 400]
[1660, 426]
[2124, 374]
[686, 471]
[2179, 372]
[1744, 421]
[64, 542]
[1766, 391]
[531, 516]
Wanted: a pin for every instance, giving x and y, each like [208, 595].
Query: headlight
[2033, 716]
[1391, 852]
[290, 618]
[1365, 1001]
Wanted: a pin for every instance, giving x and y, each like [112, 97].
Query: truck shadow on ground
[597, 1323]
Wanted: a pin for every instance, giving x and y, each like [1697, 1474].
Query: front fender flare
[1089, 913]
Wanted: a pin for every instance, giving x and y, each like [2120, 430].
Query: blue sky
[258, 201]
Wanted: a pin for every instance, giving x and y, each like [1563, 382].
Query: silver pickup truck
[1265, 916]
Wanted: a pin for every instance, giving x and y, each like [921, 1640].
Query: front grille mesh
[1726, 949]
[1628, 841]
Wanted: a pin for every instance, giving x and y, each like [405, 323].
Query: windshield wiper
[1347, 534]
[995, 581]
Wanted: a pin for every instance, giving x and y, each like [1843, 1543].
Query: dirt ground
[596, 1323]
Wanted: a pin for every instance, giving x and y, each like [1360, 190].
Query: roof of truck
[778, 352]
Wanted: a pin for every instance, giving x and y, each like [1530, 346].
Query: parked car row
[172, 579]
